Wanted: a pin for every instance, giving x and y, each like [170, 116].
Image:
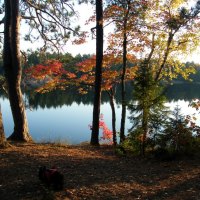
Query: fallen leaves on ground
[95, 173]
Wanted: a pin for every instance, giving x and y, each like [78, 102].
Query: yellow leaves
[82, 91]
[176, 3]
[47, 87]
[175, 68]
[186, 72]
[131, 73]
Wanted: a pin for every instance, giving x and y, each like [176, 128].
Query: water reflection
[185, 92]
[65, 115]
[57, 98]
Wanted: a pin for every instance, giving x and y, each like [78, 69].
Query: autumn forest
[145, 51]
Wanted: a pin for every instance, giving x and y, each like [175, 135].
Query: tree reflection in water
[65, 115]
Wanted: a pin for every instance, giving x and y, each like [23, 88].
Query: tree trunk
[98, 73]
[144, 129]
[167, 52]
[123, 91]
[2, 134]
[112, 105]
[13, 71]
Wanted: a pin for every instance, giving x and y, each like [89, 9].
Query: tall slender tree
[13, 70]
[124, 66]
[98, 73]
[126, 16]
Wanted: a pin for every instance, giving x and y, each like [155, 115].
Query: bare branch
[27, 17]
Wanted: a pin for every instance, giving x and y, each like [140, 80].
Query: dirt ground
[96, 174]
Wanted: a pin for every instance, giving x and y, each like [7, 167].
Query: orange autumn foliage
[110, 76]
[60, 78]
[54, 70]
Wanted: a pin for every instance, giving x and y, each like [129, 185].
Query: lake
[65, 116]
[69, 123]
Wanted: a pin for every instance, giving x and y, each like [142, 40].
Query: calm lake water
[68, 123]
[59, 117]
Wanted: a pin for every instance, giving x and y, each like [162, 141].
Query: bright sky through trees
[84, 12]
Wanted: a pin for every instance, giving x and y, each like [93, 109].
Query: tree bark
[13, 71]
[98, 73]
[112, 105]
[144, 129]
[123, 92]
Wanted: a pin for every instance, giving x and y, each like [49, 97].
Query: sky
[88, 48]
[85, 11]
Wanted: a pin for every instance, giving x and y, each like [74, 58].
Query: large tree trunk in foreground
[13, 71]
[98, 73]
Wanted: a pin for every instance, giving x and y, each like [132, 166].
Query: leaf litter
[95, 173]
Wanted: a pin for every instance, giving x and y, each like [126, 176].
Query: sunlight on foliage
[107, 134]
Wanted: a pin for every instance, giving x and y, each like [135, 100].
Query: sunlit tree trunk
[98, 73]
[13, 70]
[112, 105]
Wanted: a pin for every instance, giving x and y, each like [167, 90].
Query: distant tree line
[33, 58]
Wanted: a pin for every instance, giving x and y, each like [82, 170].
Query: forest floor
[95, 174]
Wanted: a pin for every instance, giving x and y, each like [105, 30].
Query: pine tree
[147, 108]
[177, 135]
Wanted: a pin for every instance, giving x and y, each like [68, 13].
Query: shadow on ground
[95, 173]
